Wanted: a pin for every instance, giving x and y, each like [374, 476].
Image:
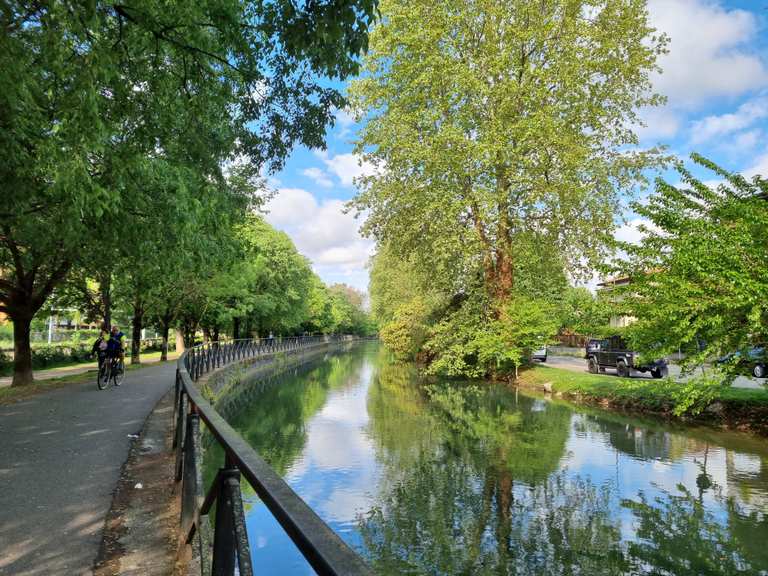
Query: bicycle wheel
[118, 372]
[102, 380]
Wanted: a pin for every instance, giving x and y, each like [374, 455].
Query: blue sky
[716, 81]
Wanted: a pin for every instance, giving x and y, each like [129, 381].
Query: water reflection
[466, 479]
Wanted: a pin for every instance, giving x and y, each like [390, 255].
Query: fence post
[230, 540]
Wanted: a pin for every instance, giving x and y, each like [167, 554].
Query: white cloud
[346, 167]
[759, 167]
[709, 53]
[324, 233]
[630, 231]
[724, 124]
[748, 140]
[344, 118]
[318, 176]
[289, 206]
[659, 123]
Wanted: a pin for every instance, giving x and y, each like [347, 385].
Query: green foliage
[405, 332]
[698, 276]
[695, 394]
[470, 342]
[453, 341]
[503, 148]
[525, 324]
[583, 313]
[477, 163]
[118, 117]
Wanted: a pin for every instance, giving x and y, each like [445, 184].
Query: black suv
[613, 353]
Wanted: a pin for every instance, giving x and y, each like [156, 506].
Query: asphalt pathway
[61, 453]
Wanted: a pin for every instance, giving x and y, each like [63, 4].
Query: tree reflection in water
[458, 478]
[479, 489]
[676, 535]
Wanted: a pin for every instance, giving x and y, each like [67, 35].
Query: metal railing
[227, 548]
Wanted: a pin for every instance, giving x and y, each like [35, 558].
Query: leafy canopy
[699, 277]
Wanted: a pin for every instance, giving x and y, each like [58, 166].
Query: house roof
[613, 281]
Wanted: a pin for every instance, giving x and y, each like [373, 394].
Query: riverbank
[730, 408]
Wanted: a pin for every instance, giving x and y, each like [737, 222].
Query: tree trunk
[105, 290]
[164, 346]
[216, 334]
[504, 499]
[180, 341]
[22, 351]
[236, 329]
[137, 323]
[206, 335]
[189, 334]
[504, 280]
[505, 276]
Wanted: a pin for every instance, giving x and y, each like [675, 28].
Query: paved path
[79, 369]
[61, 453]
[580, 365]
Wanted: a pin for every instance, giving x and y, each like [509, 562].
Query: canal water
[457, 478]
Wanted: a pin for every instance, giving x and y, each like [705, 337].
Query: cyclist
[115, 348]
[100, 347]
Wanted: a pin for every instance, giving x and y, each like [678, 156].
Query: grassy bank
[9, 395]
[736, 408]
[6, 371]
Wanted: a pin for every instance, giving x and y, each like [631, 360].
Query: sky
[715, 78]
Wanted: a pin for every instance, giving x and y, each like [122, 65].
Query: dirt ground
[140, 532]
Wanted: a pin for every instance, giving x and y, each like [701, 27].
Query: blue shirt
[115, 341]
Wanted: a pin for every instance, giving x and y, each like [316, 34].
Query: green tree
[320, 313]
[698, 276]
[347, 310]
[89, 91]
[582, 312]
[504, 136]
[496, 120]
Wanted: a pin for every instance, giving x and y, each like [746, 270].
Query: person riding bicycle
[100, 347]
[115, 348]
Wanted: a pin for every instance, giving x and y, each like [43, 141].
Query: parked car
[754, 361]
[613, 353]
[540, 354]
[593, 345]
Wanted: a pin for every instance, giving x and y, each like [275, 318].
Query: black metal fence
[223, 548]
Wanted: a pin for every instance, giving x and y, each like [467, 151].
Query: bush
[5, 362]
[54, 354]
[404, 335]
[472, 343]
[6, 331]
[156, 345]
[694, 395]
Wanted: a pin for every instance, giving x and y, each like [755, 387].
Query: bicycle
[111, 369]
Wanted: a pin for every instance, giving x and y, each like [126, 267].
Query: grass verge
[60, 367]
[9, 395]
[738, 408]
